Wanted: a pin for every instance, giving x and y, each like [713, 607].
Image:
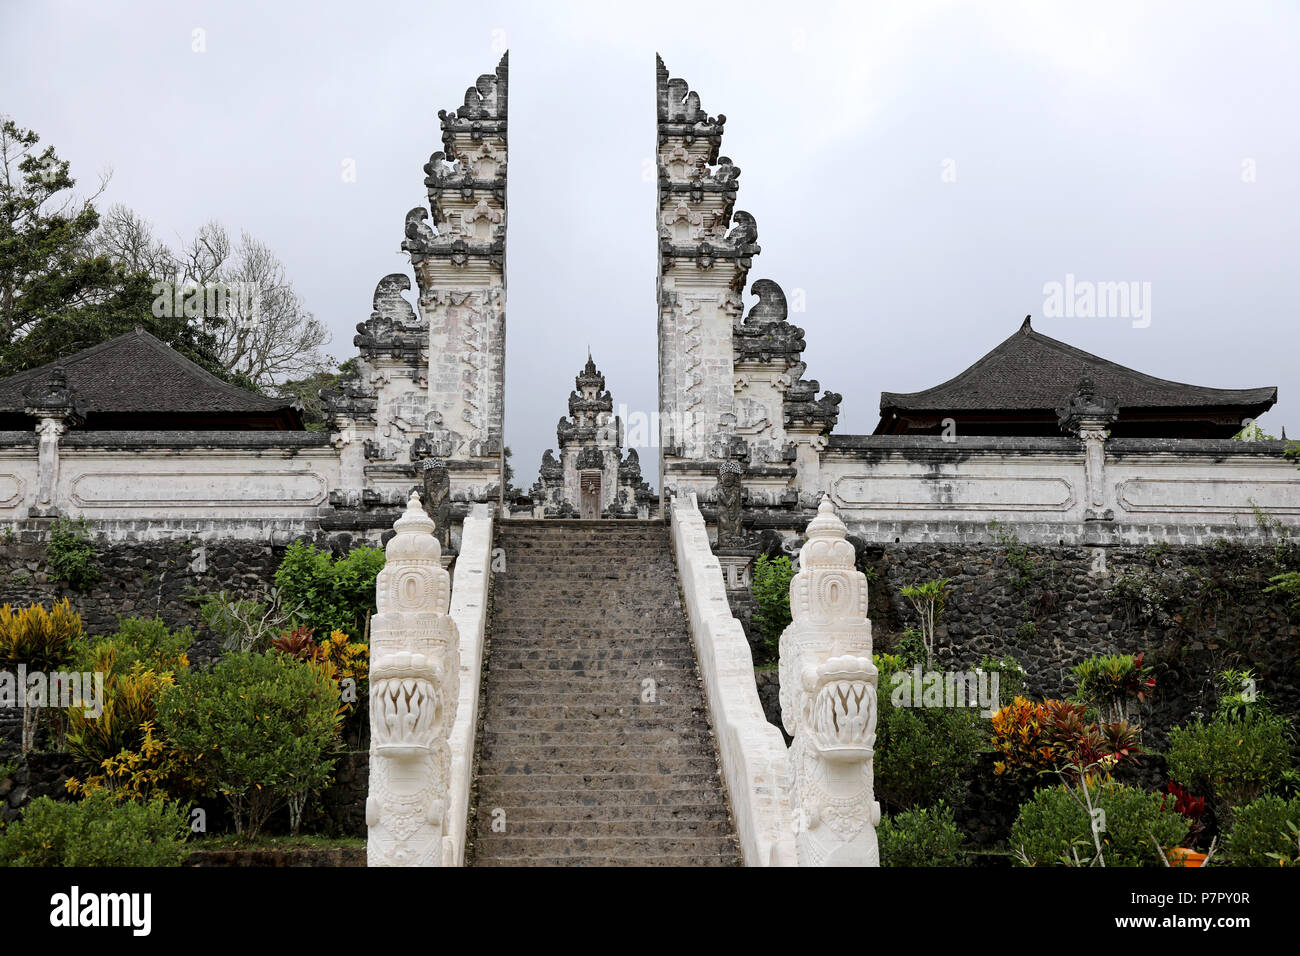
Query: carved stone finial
[414, 689]
[828, 701]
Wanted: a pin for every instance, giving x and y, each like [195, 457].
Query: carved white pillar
[1089, 414]
[414, 688]
[1094, 437]
[53, 404]
[828, 701]
[50, 430]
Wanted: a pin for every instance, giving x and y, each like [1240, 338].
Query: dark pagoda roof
[1017, 388]
[135, 381]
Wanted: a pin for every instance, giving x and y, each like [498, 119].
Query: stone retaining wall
[1192, 610]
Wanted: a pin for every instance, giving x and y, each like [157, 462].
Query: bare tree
[261, 326]
[268, 335]
[128, 239]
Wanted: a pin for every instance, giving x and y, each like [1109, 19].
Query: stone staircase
[574, 766]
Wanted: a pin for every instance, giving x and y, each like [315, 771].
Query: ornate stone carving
[51, 397]
[731, 504]
[1087, 408]
[414, 688]
[437, 498]
[828, 701]
[590, 457]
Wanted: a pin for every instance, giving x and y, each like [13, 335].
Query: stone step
[555, 608]
[606, 861]
[543, 658]
[617, 635]
[602, 699]
[510, 751]
[561, 529]
[513, 814]
[620, 638]
[635, 687]
[671, 828]
[555, 660]
[655, 801]
[633, 849]
[546, 678]
[598, 727]
[609, 577]
[647, 764]
[577, 548]
[598, 714]
[619, 624]
[677, 651]
[613, 736]
[631, 558]
[522, 671]
[636, 781]
[560, 659]
[666, 690]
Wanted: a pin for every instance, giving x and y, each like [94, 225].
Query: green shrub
[264, 726]
[924, 837]
[1231, 760]
[1238, 696]
[1261, 832]
[1109, 682]
[329, 595]
[96, 831]
[1052, 827]
[1011, 676]
[118, 749]
[924, 755]
[909, 650]
[243, 624]
[41, 640]
[138, 643]
[771, 587]
[72, 554]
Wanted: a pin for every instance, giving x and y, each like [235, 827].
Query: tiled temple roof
[137, 379]
[1033, 374]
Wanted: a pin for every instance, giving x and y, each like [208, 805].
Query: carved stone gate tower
[429, 385]
[730, 388]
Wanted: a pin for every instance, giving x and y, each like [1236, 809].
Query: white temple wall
[921, 489]
[141, 487]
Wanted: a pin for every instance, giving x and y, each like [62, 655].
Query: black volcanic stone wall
[143, 580]
[1193, 610]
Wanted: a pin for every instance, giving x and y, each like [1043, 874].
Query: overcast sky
[919, 170]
